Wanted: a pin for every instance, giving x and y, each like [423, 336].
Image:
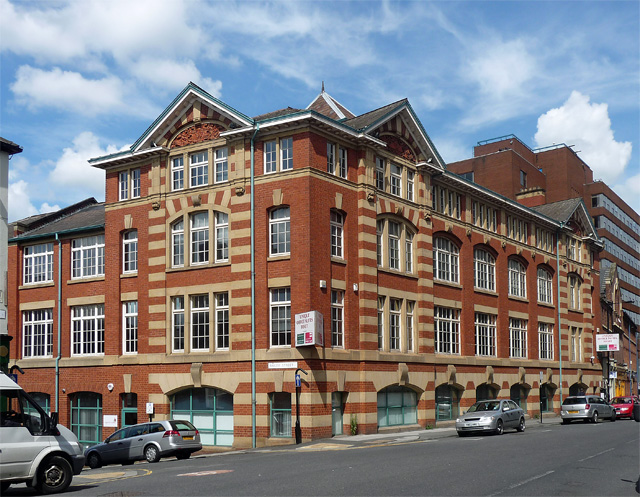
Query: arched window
[86, 417]
[575, 295]
[519, 395]
[545, 279]
[397, 406]
[210, 410]
[447, 402]
[337, 228]
[484, 270]
[177, 244]
[517, 279]
[395, 245]
[485, 392]
[199, 233]
[279, 231]
[445, 260]
[42, 399]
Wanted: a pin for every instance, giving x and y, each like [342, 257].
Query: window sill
[36, 285]
[85, 280]
[338, 260]
[546, 304]
[129, 275]
[491, 293]
[397, 272]
[283, 257]
[519, 299]
[577, 311]
[196, 267]
[447, 283]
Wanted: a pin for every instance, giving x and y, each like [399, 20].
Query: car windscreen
[182, 425]
[570, 401]
[621, 400]
[485, 406]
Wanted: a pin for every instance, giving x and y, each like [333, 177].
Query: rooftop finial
[323, 87]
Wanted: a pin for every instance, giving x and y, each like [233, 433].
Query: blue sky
[80, 79]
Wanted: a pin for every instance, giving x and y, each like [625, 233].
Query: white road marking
[516, 485]
[595, 455]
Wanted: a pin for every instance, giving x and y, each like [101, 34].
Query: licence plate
[573, 412]
[474, 424]
[187, 438]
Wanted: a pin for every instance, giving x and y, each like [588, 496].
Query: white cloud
[173, 75]
[629, 191]
[501, 68]
[73, 171]
[68, 91]
[20, 203]
[587, 126]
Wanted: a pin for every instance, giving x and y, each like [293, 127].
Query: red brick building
[552, 174]
[427, 291]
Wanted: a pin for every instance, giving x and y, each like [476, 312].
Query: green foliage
[354, 424]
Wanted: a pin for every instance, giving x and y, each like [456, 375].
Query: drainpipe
[559, 318]
[253, 296]
[59, 323]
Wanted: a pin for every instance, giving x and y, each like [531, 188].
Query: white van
[34, 448]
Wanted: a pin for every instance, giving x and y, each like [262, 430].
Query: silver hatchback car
[491, 416]
[586, 408]
[149, 441]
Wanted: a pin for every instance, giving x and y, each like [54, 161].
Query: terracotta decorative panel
[196, 134]
[398, 147]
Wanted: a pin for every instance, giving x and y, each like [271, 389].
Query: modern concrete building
[233, 251]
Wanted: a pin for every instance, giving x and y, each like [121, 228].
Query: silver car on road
[587, 408]
[149, 441]
[491, 416]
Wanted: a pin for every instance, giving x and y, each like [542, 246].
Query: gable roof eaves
[191, 88]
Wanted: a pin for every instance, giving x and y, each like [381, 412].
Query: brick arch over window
[390, 208]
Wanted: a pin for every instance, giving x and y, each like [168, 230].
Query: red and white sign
[608, 343]
[309, 329]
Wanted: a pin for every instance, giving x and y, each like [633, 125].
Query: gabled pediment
[398, 126]
[193, 116]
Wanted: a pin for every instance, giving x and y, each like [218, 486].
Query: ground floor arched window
[86, 417]
[397, 406]
[519, 395]
[546, 398]
[485, 392]
[210, 410]
[577, 389]
[42, 399]
[447, 403]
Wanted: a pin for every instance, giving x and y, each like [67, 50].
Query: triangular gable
[193, 114]
[399, 127]
[328, 106]
[580, 222]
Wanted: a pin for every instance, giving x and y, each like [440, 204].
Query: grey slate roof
[560, 211]
[88, 214]
[276, 113]
[365, 120]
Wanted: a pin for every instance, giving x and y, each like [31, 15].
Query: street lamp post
[298, 385]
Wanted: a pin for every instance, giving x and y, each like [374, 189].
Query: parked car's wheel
[93, 460]
[499, 427]
[151, 453]
[54, 475]
[4, 486]
[613, 416]
[462, 434]
[183, 455]
[594, 418]
[521, 425]
[566, 421]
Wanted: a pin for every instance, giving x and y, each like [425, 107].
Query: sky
[81, 79]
